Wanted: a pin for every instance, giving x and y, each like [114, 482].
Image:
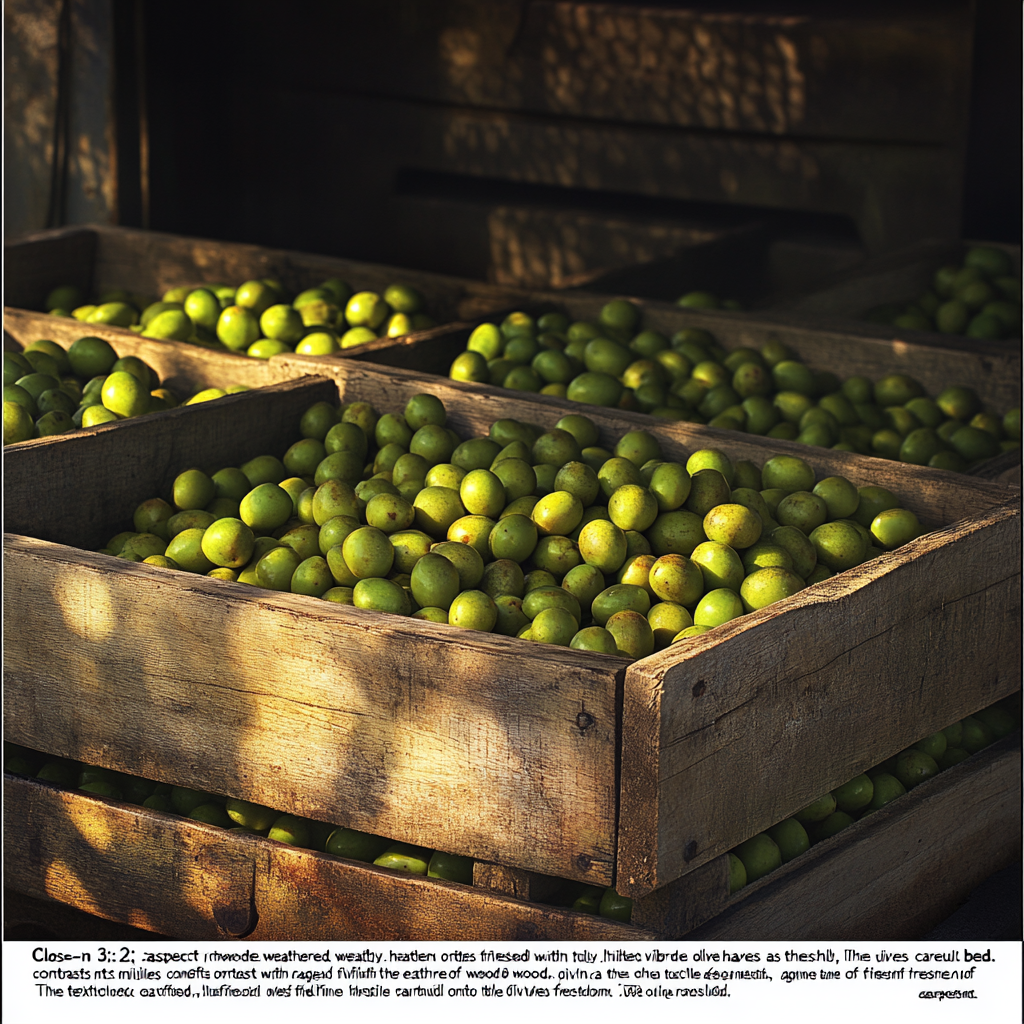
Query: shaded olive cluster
[48, 390]
[538, 534]
[979, 299]
[866, 793]
[258, 317]
[768, 392]
[242, 816]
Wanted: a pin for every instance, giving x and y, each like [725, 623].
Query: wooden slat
[865, 181]
[872, 660]
[103, 858]
[897, 873]
[26, 917]
[514, 882]
[184, 879]
[337, 713]
[317, 897]
[857, 75]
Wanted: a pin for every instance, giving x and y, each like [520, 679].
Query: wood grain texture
[774, 74]
[847, 675]
[897, 873]
[409, 730]
[26, 917]
[313, 896]
[438, 737]
[103, 858]
[514, 882]
[184, 879]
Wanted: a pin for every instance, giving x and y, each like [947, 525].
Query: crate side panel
[423, 733]
[37, 264]
[94, 479]
[788, 695]
[114, 861]
[303, 896]
[898, 873]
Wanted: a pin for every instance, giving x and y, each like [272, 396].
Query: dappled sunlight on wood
[86, 604]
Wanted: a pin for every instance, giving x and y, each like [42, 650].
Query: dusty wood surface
[848, 673]
[514, 882]
[438, 737]
[772, 74]
[183, 879]
[30, 919]
[314, 896]
[103, 858]
[690, 901]
[897, 873]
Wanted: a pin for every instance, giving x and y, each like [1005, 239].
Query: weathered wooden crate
[893, 875]
[897, 277]
[96, 257]
[559, 762]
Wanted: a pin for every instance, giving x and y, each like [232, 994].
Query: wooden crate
[898, 277]
[892, 875]
[562, 763]
[96, 257]
[101, 257]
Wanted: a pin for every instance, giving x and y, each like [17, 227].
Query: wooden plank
[897, 873]
[103, 857]
[685, 904]
[862, 180]
[763, 73]
[879, 656]
[514, 882]
[309, 896]
[29, 918]
[40, 262]
[189, 880]
[470, 750]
